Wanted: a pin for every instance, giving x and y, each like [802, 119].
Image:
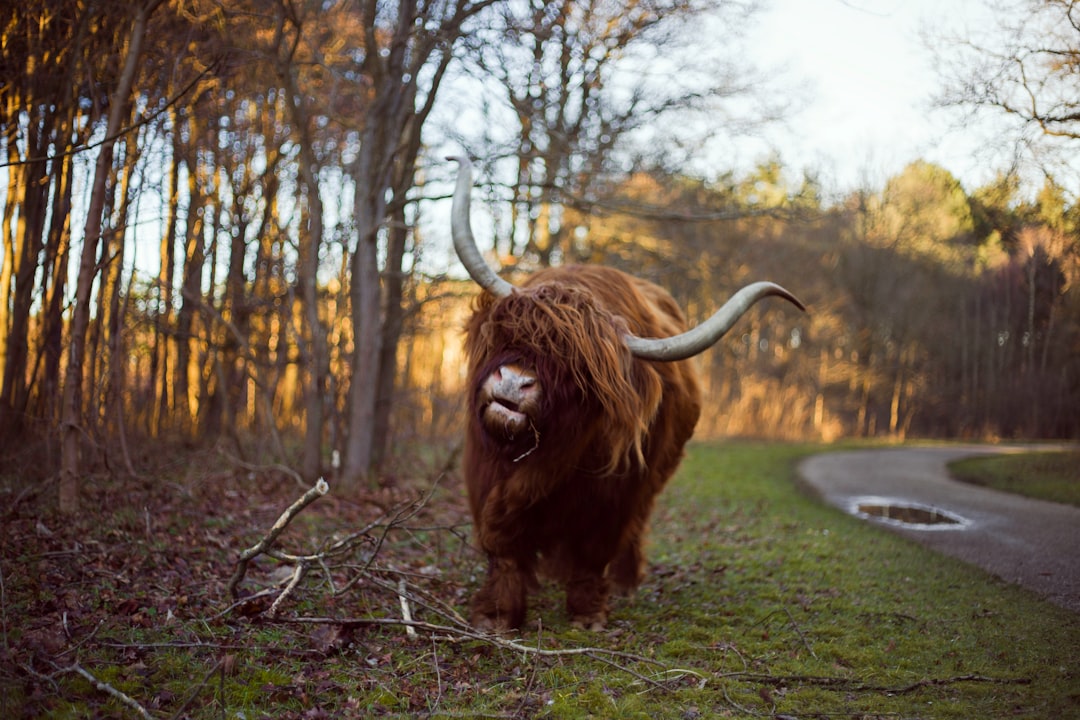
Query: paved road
[1033, 543]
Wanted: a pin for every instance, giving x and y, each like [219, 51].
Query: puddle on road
[902, 513]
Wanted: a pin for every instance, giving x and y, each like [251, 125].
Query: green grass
[1053, 476]
[760, 602]
[803, 591]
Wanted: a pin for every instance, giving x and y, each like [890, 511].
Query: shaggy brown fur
[608, 430]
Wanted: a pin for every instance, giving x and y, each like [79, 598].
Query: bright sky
[868, 79]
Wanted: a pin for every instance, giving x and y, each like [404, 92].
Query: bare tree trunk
[112, 321]
[190, 287]
[72, 420]
[93, 382]
[897, 396]
[317, 356]
[164, 340]
[58, 249]
[7, 238]
[372, 175]
[268, 260]
[862, 422]
[8, 234]
[58, 244]
[29, 241]
[211, 399]
[394, 279]
[237, 313]
[369, 209]
[1030, 375]
[389, 144]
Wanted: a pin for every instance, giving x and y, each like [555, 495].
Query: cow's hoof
[595, 622]
[488, 624]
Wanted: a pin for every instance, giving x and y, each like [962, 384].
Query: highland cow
[581, 399]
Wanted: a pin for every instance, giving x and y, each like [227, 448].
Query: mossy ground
[760, 603]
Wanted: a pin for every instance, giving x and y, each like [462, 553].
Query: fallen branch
[447, 633]
[108, 689]
[933, 682]
[852, 685]
[194, 693]
[431, 603]
[406, 609]
[798, 630]
[299, 571]
[302, 564]
[315, 492]
[450, 634]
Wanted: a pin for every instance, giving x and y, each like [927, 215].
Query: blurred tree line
[227, 223]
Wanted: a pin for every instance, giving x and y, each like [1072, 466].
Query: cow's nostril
[508, 376]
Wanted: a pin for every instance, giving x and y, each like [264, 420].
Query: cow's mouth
[505, 418]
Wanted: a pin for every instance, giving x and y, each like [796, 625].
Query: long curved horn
[705, 335]
[678, 347]
[464, 242]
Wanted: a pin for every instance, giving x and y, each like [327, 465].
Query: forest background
[226, 223]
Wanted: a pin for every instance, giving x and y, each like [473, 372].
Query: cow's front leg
[627, 569]
[501, 603]
[586, 598]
